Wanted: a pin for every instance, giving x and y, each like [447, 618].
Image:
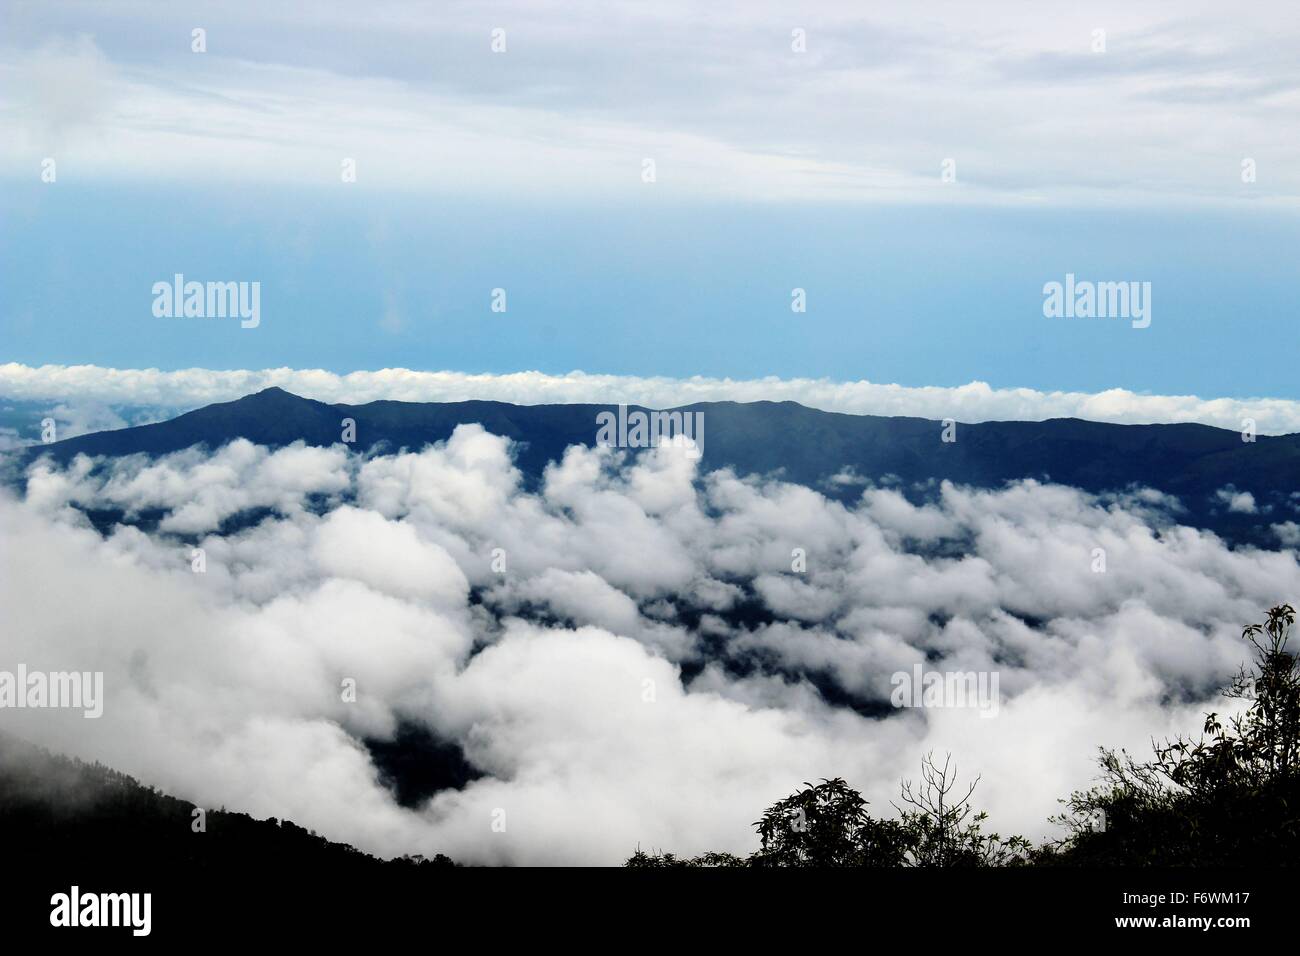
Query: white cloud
[723, 104]
[1288, 533]
[1238, 502]
[388, 556]
[200, 490]
[61, 88]
[563, 677]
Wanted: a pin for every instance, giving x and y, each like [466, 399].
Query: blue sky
[776, 169]
[910, 294]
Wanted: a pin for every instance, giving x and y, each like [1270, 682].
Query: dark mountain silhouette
[88, 814]
[414, 765]
[802, 445]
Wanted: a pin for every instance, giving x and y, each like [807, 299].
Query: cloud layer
[630, 654]
[1020, 97]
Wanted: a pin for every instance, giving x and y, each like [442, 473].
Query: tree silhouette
[1229, 797]
[941, 829]
[827, 825]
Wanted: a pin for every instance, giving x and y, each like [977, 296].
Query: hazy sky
[774, 170]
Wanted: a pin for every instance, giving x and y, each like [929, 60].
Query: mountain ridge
[834, 452]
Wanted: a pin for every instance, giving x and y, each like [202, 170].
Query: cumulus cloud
[198, 490]
[1288, 533]
[1238, 502]
[974, 402]
[628, 653]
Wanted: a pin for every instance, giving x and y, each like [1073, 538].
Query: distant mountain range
[798, 444]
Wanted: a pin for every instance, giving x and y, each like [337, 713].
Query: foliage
[640, 860]
[1229, 797]
[827, 825]
[943, 832]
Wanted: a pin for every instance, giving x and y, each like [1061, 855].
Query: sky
[775, 170]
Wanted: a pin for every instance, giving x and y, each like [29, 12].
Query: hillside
[802, 445]
[88, 815]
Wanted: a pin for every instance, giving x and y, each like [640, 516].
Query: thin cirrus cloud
[1014, 94]
[74, 388]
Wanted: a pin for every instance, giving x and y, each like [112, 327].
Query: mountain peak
[272, 393]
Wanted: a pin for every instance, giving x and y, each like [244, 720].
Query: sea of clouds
[646, 670]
